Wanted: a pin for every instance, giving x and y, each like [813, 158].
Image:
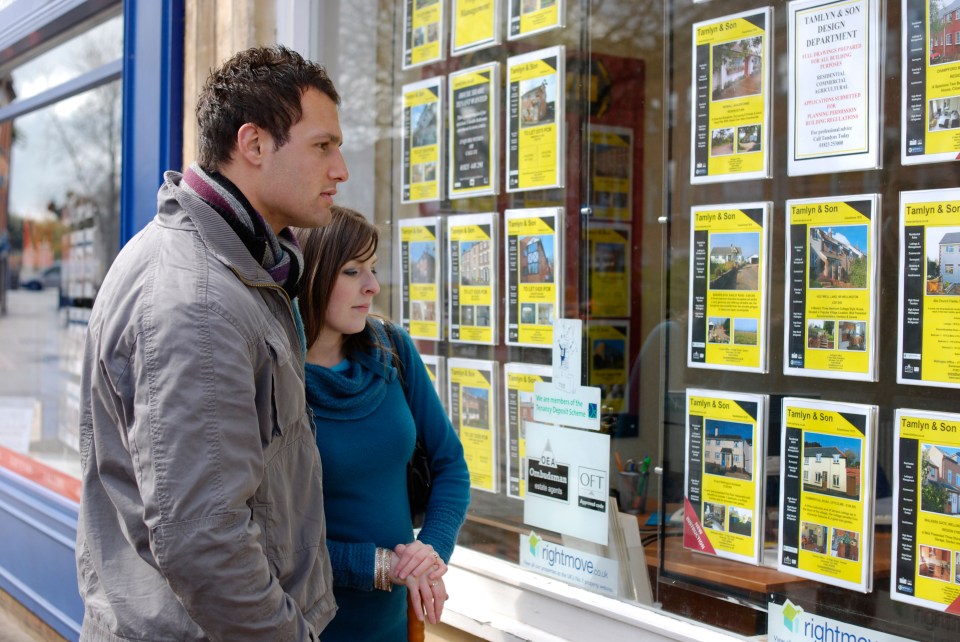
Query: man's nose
[339, 171]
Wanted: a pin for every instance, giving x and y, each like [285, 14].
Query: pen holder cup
[627, 484]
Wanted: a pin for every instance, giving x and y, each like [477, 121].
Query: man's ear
[251, 143]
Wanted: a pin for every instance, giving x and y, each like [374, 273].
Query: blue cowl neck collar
[357, 391]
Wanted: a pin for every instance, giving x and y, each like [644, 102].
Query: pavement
[33, 335]
[15, 625]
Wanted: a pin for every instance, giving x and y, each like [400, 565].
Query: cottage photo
[483, 316]
[475, 262]
[845, 544]
[714, 516]
[943, 261]
[528, 313]
[721, 141]
[545, 313]
[735, 261]
[821, 334]
[536, 259]
[737, 68]
[838, 256]
[741, 521]
[538, 101]
[423, 262]
[940, 472]
[853, 335]
[934, 563]
[831, 465]
[423, 119]
[942, 48]
[728, 449]
[475, 407]
[718, 330]
[423, 311]
[748, 139]
[813, 537]
[943, 113]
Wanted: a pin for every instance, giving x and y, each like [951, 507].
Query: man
[202, 510]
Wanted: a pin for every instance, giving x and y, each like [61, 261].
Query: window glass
[64, 223]
[84, 52]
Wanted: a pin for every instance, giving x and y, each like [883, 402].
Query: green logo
[791, 616]
[534, 542]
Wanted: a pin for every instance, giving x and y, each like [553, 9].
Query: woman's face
[351, 297]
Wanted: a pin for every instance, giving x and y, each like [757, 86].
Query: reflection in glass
[83, 53]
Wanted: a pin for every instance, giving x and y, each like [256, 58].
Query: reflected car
[48, 278]
[949, 119]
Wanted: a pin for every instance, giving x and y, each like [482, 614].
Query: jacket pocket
[288, 398]
[290, 505]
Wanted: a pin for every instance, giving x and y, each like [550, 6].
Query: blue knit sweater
[367, 421]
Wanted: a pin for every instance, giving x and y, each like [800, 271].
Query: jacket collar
[179, 209]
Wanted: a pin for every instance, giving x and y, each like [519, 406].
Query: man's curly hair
[261, 85]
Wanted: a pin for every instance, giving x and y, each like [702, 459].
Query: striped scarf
[279, 255]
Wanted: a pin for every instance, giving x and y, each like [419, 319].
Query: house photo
[831, 465]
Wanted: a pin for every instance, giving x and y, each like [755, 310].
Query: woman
[371, 397]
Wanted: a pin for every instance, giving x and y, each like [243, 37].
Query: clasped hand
[417, 566]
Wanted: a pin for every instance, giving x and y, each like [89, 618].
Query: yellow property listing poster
[472, 277]
[423, 36]
[610, 255]
[827, 464]
[421, 168]
[931, 83]
[929, 337]
[611, 172]
[925, 554]
[831, 294]
[420, 312]
[475, 25]
[609, 346]
[729, 286]
[724, 482]
[518, 382]
[535, 123]
[730, 120]
[533, 249]
[473, 409]
[528, 17]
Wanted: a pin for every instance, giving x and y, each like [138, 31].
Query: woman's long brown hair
[325, 251]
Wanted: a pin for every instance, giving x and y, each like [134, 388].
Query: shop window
[63, 230]
[641, 173]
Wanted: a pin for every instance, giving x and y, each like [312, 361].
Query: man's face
[299, 179]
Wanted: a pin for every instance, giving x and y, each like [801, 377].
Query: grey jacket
[202, 508]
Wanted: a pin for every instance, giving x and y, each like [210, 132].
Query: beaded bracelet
[381, 575]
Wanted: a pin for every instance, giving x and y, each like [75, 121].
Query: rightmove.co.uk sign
[790, 623]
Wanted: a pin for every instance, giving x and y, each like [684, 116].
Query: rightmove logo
[788, 622]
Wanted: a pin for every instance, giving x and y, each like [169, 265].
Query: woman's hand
[416, 559]
[427, 596]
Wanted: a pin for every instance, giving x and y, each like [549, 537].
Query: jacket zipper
[272, 286]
